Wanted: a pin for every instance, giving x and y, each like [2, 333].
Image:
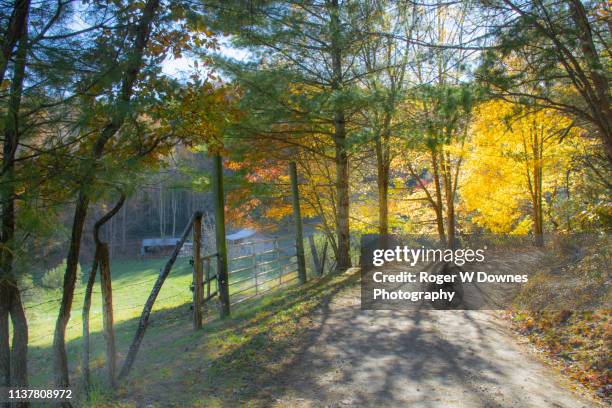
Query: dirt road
[355, 358]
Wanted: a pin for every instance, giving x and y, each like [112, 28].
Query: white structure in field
[155, 245]
[242, 242]
[240, 236]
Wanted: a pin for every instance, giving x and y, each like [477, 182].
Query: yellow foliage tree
[517, 158]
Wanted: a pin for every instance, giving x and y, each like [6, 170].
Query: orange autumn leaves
[493, 191]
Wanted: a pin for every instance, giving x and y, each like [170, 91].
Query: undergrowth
[578, 341]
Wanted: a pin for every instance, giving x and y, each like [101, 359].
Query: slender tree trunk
[440, 225]
[123, 226]
[107, 311]
[439, 204]
[450, 201]
[19, 361]
[85, 317]
[299, 229]
[13, 363]
[174, 209]
[130, 75]
[17, 25]
[5, 350]
[342, 207]
[383, 190]
[343, 260]
[450, 223]
[60, 357]
[111, 238]
[383, 210]
[7, 284]
[538, 224]
[161, 211]
[101, 260]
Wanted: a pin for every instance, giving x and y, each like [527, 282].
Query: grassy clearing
[232, 362]
[132, 283]
[175, 362]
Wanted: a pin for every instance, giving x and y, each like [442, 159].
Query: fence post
[278, 262]
[207, 283]
[197, 272]
[219, 199]
[299, 233]
[315, 257]
[254, 266]
[107, 310]
[323, 257]
[207, 277]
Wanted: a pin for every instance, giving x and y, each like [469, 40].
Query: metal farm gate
[263, 266]
[255, 267]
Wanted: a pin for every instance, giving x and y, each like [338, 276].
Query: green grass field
[132, 283]
[170, 323]
[170, 346]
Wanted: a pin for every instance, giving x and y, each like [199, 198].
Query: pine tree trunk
[383, 190]
[450, 201]
[16, 27]
[111, 238]
[85, 317]
[107, 311]
[343, 260]
[5, 350]
[60, 357]
[439, 204]
[13, 363]
[19, 360]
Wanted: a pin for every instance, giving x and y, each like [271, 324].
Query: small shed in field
[157, 246]
[240, 236]
[248, 241]
[245, 241]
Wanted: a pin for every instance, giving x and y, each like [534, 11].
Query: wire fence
[132, 284]
[255, 268]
